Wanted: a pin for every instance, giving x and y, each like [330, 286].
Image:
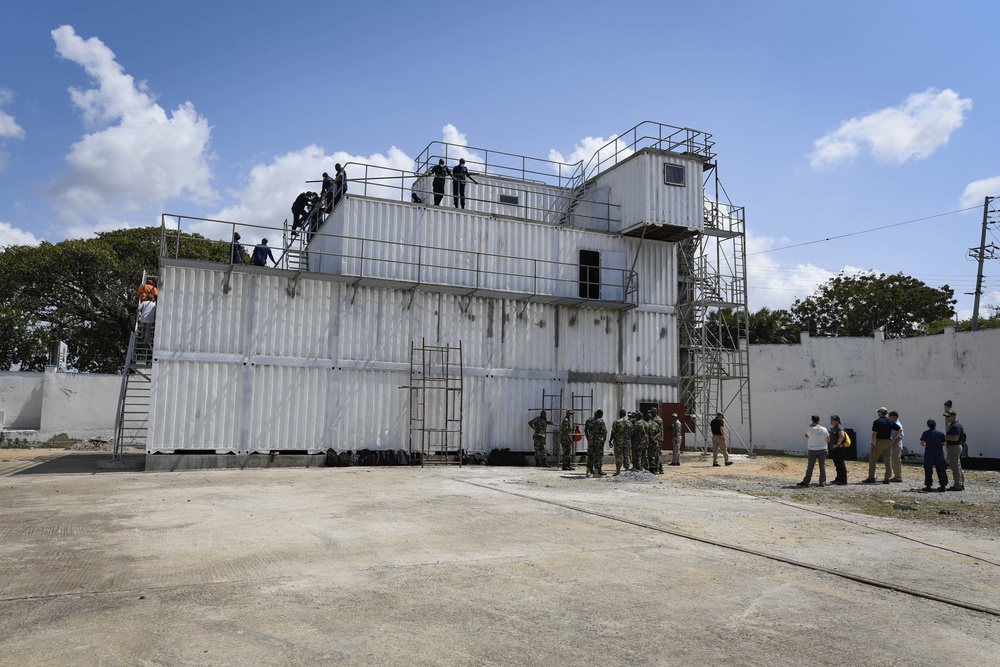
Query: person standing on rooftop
[458, 176]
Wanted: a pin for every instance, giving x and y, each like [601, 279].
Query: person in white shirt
[896, 451]
[817, 438]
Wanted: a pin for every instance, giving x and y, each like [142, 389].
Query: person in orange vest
[148, 292]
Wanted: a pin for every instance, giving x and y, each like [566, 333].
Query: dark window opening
[590, 274]
[509, 199]
[673, 174]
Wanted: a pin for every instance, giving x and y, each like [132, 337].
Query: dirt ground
[978, 507]
[489, 566]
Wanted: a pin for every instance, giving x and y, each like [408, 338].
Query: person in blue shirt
[261, 253]
[932, 440]
[458, 176]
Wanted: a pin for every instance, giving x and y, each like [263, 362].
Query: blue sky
[829, 118]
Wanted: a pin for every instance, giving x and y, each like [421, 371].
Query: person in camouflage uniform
[640, 441]
[566, 441]
[655, 425]
[597, 432]
[621, 440]
[538, 425]
[678, 435]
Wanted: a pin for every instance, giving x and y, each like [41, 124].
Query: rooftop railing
[406, 265]
[650, 134]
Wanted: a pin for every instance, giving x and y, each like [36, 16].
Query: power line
[866, 231]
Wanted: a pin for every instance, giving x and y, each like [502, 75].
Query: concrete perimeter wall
[853, 377]
[40, 406]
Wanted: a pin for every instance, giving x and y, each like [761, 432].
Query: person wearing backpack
[839, 442]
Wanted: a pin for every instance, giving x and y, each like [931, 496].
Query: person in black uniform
[458, 176]
[300, 208]
[439, 172]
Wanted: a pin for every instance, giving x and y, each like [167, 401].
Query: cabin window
[590, 274]
[673, 174]
[514, 200]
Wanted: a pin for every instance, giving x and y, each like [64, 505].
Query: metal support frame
[436, 398]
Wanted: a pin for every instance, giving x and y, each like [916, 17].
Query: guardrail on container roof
[407, 264]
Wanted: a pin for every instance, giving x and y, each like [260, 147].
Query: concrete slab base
[174, 462]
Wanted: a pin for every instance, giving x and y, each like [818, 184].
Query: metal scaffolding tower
[713, 320]
[436, 402]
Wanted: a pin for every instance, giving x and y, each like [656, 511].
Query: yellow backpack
[847, 439]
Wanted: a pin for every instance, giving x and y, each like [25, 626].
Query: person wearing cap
[817, 440]
[567, 442]
[261, 253]
[678, 433]
[954, 439]
[896, 451]
[597, 432]
[718, 426]
[932, 440]
[837, 450]
[458, 176]
[236, 250]
[655, 425]
[538, 425]
[881, 443]
[439, 171]
[621, 441]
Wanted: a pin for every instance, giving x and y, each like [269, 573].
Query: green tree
[858, 305]
[82, 291]
[768, 326]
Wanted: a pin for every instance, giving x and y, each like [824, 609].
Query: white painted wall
[39, 406]
[853, 377]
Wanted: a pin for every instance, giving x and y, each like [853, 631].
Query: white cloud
[267, 198]
[776, 284]
[975, 193]
[911, 131]
[136, 154]
[11, 235]
[9, 129]
[611, 151]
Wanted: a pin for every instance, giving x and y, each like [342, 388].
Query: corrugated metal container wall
[377, 324]
[196, 405]
[300, 327]
[650, 344]
[588, 340]
[369, 410]
[638, 186]
[674, 204]
[633, 394]
[289, 409]
[196, 316]
[527, 336]
[657, 272]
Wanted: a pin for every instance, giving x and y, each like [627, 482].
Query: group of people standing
[636, 439]
[458, 175]
[941, 450]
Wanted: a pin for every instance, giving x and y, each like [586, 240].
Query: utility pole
[981, 256]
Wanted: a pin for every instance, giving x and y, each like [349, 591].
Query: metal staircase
[132, 415]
